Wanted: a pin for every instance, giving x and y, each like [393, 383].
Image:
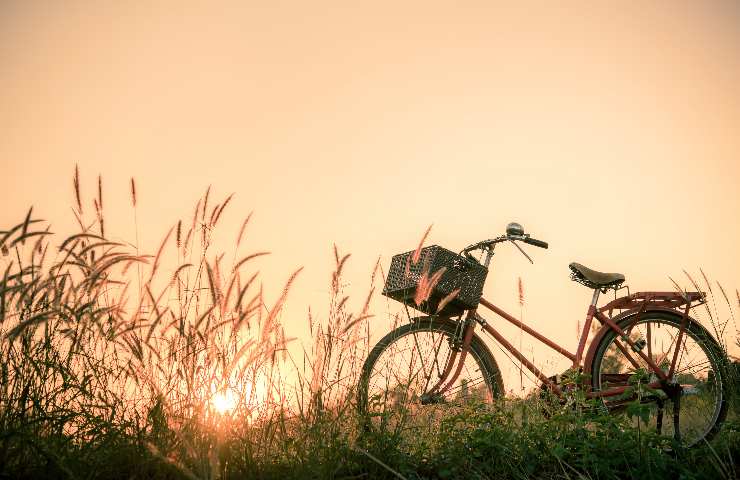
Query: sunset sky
[610, 131]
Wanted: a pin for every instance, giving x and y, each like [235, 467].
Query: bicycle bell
[514, 229]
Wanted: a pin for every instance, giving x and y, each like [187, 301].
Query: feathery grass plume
[706, 281]
[339, 266]
[195, 214]
[213, 215]
[99, 245]
[243, 290]
[253, 307]
[38, 245]
[417, 252]
[377, 268]
[205, 204]
[203, 316]
[241, 230]
[76, 183]
[713, 318]
[704, 297]
[22, 238]
[366, 305]
[310, 321]
[696, 286]
[24, 230]
[407, 268]
[133, 192]
[185, 243]
[447, 299]
[342, 302]
[729, 305]
[136, 231]
[217, 277]
[178, 236]
[25, 325]
[21, 226]
[678, 288]
[426, 284]
[211, 284]
[100, 191]
[155, 264]
[248, 258]
[176, 275]
[520, 288]
[714, 303]
[281, 301]
[355, 322]
[71, 242]
[221, 209]
[98, 204]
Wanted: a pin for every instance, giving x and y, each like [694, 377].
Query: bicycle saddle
[594, 279]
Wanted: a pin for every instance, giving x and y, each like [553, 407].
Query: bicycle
[438, 359]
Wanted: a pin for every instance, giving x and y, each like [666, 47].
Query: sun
[224, 402]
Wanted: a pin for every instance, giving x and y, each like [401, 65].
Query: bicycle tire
[391, 404]
[714, 387]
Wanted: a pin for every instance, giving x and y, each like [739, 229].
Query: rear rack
[658, 299]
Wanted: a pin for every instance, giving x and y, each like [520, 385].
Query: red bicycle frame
[637, 303]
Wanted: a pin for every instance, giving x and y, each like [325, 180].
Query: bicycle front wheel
[401, 370]
[696, 406]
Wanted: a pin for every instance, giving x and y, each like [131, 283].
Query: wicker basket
[460, 272]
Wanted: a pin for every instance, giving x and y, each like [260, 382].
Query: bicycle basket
[459, 272]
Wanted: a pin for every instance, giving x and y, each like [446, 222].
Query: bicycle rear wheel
[700, 378]
[408, 362]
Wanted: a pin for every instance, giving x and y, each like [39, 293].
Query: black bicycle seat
[594, 279]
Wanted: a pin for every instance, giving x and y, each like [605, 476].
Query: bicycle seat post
[586, 328]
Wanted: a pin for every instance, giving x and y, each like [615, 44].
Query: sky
[610, 130]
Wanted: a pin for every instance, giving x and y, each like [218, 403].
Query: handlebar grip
[535, 242]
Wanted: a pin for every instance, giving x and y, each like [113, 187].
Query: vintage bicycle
[648, 338]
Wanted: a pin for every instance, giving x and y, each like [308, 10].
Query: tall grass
[114, 361]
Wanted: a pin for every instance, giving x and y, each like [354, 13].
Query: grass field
[103, 376]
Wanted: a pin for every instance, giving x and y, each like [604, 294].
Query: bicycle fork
[458, 348]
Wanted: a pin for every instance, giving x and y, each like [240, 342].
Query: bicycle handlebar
[503, 238]
[483, 244]
[535, 242]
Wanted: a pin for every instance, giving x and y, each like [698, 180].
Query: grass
[104, 375]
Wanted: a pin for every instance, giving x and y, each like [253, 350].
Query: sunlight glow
[224, 401]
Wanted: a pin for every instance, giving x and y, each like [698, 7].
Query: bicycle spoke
[695, 365]
[475, 382]
[436, 362]
[684, 350]
[416, 343]
[693, 409]
[404, 367]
